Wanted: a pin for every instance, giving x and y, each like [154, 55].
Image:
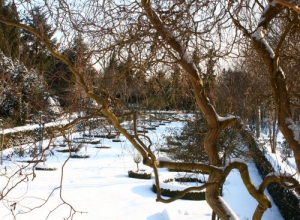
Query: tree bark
[214, 125]
[278, 82]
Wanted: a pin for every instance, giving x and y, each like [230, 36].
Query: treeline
[33, 76]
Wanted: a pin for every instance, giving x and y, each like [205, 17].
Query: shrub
[188, 196]
[144, 175]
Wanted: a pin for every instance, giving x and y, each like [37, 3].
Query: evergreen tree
[9, 35]
[21, 91]
[60, 79]
[34, 52]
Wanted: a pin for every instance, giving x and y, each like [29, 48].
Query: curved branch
[286, 32]
[262, 199]
[190, 166]
[287, 182]
[289, 5]
[80, 80]
[187, 190]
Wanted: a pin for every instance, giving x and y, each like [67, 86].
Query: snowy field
[99, 188]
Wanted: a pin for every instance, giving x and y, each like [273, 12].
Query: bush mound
[46, 168]
[189, 196]
[103, 147]
[80, 156]
[139, 175]
[200, 195]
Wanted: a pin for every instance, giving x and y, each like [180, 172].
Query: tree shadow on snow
[144, 190]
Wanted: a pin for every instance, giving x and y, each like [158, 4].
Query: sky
[99, 187]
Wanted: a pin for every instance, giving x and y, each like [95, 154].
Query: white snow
[228, 209]
[99, 188]
[167, 180]
[54, 106]
[259, 35]
[281, 163]
[294, 128]
[237, 160]
[229, 117]
[166, 159]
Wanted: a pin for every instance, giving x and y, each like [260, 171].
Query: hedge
[188, 196]
[286, 200]
[145, 175]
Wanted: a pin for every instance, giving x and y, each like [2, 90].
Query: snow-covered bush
[21, 90]
[54, 106]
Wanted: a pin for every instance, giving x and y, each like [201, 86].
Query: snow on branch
[228, 209]
[226, 121]
[269, 13]
[286, 180]
[294, 128]
[166, 159]
[227, 118]
[259, 35]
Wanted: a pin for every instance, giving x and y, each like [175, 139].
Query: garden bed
[75, 150]
[140, 174]
[45, 168]
[117, 140]
[171, 187]
[80, 156]
[84, 141]
[103, 147]
[30, 161]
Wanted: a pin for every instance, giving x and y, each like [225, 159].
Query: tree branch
[289, 5]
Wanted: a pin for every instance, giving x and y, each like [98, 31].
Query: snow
[54, 106]
[294, 128]
[167, 180]
[259, 36]
[227, 118]
[166, 159]
[237, 160]
[228, 209]
[99, 188]
[280, 162]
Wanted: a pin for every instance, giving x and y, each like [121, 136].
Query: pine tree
[21, 91]
[60, 79]
[9, 35]
[34, 52]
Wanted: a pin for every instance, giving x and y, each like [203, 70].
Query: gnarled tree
[153, 34]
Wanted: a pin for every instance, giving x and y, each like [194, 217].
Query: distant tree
[34, 52]
[21, 92]
[180, 92]
[60, 79]
[9, 36]
[158, 86]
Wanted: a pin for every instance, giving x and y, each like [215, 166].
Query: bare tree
[157, 33]
[268, 40]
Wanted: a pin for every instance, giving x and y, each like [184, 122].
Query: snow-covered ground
[99, 188]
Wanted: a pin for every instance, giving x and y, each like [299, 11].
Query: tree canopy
[224, 58]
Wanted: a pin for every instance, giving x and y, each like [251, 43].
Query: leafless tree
[154, 34]
[268, 32]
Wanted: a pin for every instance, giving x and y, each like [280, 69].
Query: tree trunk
[278, 82]
[258, 122]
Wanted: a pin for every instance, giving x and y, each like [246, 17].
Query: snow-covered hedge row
[16, 137]
[286, 200]
[172, 186]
